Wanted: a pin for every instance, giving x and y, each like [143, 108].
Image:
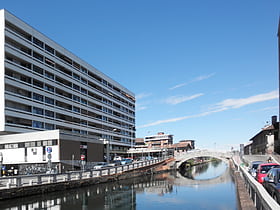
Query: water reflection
[164, 191]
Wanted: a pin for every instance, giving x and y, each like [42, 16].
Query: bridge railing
[40, 179]
[260, 197]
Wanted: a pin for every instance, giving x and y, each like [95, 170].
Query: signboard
[49, 150]
[83, 157]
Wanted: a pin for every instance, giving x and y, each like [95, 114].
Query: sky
[200, 70]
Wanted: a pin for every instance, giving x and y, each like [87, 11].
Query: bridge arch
[183, 157]
[184, 181]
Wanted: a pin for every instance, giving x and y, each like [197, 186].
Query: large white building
[44, 87]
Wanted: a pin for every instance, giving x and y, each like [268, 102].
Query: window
[84, 101]
[18, 31]
[49, 100]
[75, 76]
[38, 56]
[49, 88]
[49, 62]
[83, 90]
[11, 146]
[37, 124]
[76, 98]
[76, 87]
[76, 109]
[49, 113]
[37, 110]
[38, 97]
[38, 42]
[84, 70]
[49, 126]
[49, 49]
[38, 83]
[84, 81]
[83, 132]
[38, 69]
[49, 75]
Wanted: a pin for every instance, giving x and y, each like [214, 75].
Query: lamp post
[107, 142]
[131, 139]
[1, 162]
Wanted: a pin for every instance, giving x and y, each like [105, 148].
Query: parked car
[253, 167]
[100, 165]
[114, 163]
[272, 183]
[117, 158]
[263, 169]
[126, 161]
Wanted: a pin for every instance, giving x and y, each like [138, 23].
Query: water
[208, 186]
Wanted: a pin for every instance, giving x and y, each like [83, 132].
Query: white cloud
[237, 103]
[178, 86]
[140, 107]
[203, 77]
[142, 95]
[199, 78]
[180, 99]
[222, 106]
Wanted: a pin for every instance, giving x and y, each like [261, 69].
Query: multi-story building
[160, 140]
[44, 87]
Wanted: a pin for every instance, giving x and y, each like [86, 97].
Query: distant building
[161, 140]
[139, 143]
[45, 87]
[184, 145]
[266, 141]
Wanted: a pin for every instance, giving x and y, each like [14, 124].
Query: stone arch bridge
[180, 158]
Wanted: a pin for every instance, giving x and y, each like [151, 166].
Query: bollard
[31, 182]
[8, 185]
[54, 178]
[39, 180]
[18, 181]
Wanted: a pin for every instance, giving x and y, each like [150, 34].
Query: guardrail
[41, 179]
[260, 197]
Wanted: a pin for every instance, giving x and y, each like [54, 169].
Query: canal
[207, 186]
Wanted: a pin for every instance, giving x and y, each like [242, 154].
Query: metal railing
[41, 179]
[261, 198]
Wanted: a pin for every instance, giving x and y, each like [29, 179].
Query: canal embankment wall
[35, 188]
[244, 201]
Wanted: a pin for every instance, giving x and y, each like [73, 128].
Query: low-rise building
[266, 141]
[184, 145]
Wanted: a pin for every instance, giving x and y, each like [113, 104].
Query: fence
[41, 179]
[262, 200]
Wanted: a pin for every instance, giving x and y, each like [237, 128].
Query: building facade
[266, 141]
[161, 140]
[43, 87]
[184, 145]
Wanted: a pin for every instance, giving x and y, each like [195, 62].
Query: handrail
[260, 197]
[41, 179]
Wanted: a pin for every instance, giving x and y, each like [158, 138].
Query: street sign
[83, 157]
[49, 150]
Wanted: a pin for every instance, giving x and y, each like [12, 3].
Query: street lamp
[107, 142]
[1, 162]
[131, 139]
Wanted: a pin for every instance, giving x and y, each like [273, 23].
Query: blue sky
[201, 70]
